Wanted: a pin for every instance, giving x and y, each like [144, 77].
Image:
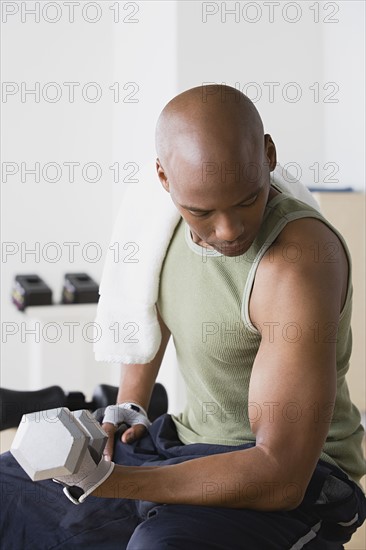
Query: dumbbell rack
[55, 358]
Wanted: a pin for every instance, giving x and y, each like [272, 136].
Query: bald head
[215, 162]
[205, 121]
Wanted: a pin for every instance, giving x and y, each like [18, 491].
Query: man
[267, 453]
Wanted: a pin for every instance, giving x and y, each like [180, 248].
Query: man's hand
[129, 436]
[90, 475]
[125, 413]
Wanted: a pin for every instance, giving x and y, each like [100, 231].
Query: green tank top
[204, 301]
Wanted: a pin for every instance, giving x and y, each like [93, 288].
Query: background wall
[123, 72]
[52, 126]
[302, 65]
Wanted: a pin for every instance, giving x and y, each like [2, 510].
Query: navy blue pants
[38, 516]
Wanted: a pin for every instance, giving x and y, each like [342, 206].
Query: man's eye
[198, 215]
[249, 203]
[203, 214]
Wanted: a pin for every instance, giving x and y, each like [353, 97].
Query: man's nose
[229, 229]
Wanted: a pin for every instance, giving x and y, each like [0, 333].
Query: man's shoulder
[306, 251]
[305, 241]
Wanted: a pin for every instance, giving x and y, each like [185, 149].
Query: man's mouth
[237, 246]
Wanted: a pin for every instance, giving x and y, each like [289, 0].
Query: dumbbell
[52, 443]
[14, 403]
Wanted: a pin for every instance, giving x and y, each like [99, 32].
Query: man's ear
[161, 175]
[270, 152]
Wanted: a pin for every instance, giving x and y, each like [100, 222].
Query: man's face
[222, 202]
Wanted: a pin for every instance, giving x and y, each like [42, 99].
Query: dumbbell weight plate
[49, 443]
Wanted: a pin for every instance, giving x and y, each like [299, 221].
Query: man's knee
[143, 538]
[155, 534]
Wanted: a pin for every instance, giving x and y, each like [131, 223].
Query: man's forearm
[137, 381]
[238, 479]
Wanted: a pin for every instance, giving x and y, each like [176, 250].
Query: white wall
[127, 51]
[257, 43]
[64, 211]
[344, 122]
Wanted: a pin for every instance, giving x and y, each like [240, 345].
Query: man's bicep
[293, 382]
[291, 400]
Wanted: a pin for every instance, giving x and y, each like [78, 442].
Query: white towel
[126, 327]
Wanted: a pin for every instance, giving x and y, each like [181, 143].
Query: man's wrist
[127, 412]
[78, 493]
[133, 405]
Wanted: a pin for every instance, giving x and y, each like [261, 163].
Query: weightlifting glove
[89, 476]
[127, 413]
[93, 470]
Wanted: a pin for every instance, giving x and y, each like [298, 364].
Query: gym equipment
[30, 290]
[64, 446]
[13, 403]
[79, 288]
[52, 443]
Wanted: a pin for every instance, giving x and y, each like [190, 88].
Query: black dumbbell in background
[13, 403]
